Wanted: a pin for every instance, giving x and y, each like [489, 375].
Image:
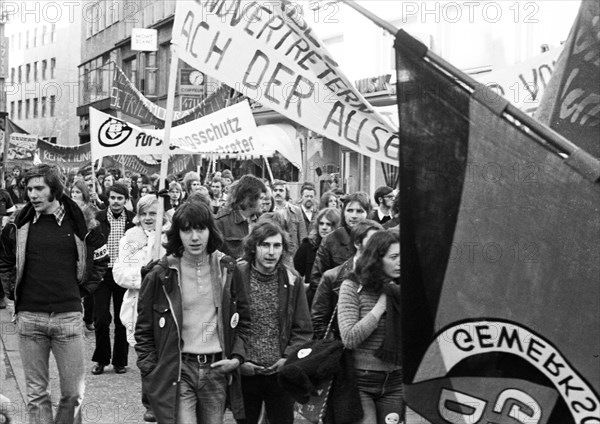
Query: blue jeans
[202, 394]
[62, 333]
[380, 396]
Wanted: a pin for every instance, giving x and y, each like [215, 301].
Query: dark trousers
[88, 309]
[102, 318]
[257, 389]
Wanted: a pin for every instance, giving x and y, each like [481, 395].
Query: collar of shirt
[59, 214]
[381, 215]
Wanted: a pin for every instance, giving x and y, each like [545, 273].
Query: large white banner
[230, 131]
[524, 84]
[272, 56]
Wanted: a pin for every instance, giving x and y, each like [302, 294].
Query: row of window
[39, 68]
[34, 108]
[32, 38]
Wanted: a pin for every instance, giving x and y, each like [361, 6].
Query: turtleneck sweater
[199, 332]
[263, 347]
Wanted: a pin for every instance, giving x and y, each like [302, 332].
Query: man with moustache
[114, 221]
[48, 261]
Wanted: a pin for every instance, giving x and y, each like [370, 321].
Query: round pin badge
[235, 319]
[161, 322]
[303, 353]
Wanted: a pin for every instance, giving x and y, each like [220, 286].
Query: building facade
[42, 86]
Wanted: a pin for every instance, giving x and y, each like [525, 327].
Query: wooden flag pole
[268, 168]
[164, 160]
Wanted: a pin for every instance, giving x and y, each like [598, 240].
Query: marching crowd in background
[245, 277]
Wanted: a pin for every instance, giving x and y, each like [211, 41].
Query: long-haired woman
[369, 322]
[327, 221]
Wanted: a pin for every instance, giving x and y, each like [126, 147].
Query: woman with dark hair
[327, 220]
[80, 193]
[337, 247]
[192, 325]
[280, 322]
[328, 200]
[369, 321]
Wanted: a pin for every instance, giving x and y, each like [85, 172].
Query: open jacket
[92, 253]
[159, 326]
[295, 325]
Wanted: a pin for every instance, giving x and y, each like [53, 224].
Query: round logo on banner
[303, 353]
[113, 132]
[161, 322]
[235, 319]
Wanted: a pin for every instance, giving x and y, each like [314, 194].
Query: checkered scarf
[117, 231]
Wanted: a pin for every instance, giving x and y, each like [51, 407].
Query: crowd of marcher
[244, 276]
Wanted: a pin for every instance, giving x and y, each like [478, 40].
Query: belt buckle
[203, 359]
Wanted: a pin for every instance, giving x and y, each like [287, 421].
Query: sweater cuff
[238, 357]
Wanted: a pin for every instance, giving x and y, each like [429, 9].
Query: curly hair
[369, 270]
[192, 215]
[332, 215]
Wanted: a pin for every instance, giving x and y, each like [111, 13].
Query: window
[27, 39]
[44, 35]
[112, 12]
[43, 113]
[12, 75]
[35, 108]
[53, 33]
[12, 110]
[149, 84]
[35, 71]
[35, 37]
[19, 75]
[130, 69]
[27, 103]
[52, 67]
[52, 104]
[20, 42]
[27, 72]
[20, 109]
[44, 67]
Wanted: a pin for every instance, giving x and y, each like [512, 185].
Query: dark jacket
[295, 326]
[234, 228]
[305, 257]
[158, 334]
[92, 253]
[334, 250]
[105, 225]
[327, 297]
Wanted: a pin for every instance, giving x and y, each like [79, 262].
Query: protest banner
[524, 83]
[228, 132]
[21, 150]
[267, 52]
[126, 98]
[69, 159]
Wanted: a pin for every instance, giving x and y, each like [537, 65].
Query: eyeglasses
[389, 196]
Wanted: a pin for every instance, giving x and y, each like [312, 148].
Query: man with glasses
[384, 197]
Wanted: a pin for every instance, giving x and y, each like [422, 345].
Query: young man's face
[216, 189]
[194, 240]
[40, 197]
[354, 213]
[279, 194]
[268, 254]
[116, 202]
[195, 186]
[388, 200]
[308, 199]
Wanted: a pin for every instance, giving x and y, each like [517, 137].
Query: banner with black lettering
[524, 84]
[126, 98]
[571, 103]
[70, 159]
[500, 262]
[267, 51]
[230, 131]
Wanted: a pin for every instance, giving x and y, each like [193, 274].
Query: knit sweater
[360, 329]
[263, 346]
